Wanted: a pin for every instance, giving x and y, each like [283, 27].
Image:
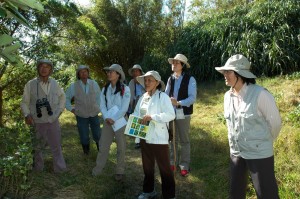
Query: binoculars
[40, 103]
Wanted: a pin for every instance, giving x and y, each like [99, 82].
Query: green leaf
[2, 12]
[5, 40]
[17, 15]
[28, 3]
[11, 49]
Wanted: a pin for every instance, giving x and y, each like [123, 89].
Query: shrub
[15, 160]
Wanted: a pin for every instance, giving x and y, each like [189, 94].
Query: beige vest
[85, 103]
[36, 92]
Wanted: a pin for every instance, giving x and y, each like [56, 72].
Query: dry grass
[209, 149]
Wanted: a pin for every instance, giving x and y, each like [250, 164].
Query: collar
[173, 75]
[242, 92]
[87, 82]
[41, 82]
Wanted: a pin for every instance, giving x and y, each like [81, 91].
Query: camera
[40, 103]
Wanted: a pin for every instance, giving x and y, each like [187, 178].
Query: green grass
[209, 176]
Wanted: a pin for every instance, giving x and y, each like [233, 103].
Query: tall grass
[209, 177]
[265, 31]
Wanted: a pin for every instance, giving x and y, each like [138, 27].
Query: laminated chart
[135, 127]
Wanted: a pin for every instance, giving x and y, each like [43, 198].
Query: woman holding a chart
[155, 107]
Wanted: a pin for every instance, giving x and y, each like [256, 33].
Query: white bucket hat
[136, 66]
[154, 74]
[180, 57]
[81, 67]
[44, 61]
[239, 64]
[118, 69]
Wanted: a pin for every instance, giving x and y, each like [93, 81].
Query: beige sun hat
[180, 57]
[154, 74]
[81, 67]
[118, 69]
[136, 66]
[44, 61]
[239, 64]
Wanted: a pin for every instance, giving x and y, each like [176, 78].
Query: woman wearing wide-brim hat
[136, 90]
[155, 105]
[182, 89]
[253, 123]
[114, 95]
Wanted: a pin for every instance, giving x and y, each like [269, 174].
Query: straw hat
[81, 67]
[153, 73]
[118, 69]
[136, 66]
[181, 58]
[239, 64]
[44, 61]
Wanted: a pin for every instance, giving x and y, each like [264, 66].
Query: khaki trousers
[49, 133]
[105, 142]
[182, 140]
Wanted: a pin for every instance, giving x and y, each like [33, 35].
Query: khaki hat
[118, 69]
[154, 74]
[44, 61]
[136, 66]
[81, 67]
[239, 64]
[180, 57]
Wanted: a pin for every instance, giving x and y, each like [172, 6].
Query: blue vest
[248, 133]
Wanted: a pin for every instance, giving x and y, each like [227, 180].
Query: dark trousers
[160, 153]
[84, 125]
[262, 175]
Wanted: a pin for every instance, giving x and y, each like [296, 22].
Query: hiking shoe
[147, 195]
[137, 146]
[184, 173]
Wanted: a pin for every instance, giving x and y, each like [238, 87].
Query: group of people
[252, 117]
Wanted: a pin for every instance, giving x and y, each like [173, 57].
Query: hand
[174, 101]
[109, 121]
[73, 111]
[29, 120]
[146, 119]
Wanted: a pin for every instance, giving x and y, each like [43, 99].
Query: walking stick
[174, 145]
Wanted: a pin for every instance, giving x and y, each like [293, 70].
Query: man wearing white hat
[136, 90]
[182, 89]
[86, 95]
[42, 103]
[253, 123]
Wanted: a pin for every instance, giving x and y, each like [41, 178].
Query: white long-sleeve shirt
[161, 111]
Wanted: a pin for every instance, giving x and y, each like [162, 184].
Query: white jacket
[162, 112]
